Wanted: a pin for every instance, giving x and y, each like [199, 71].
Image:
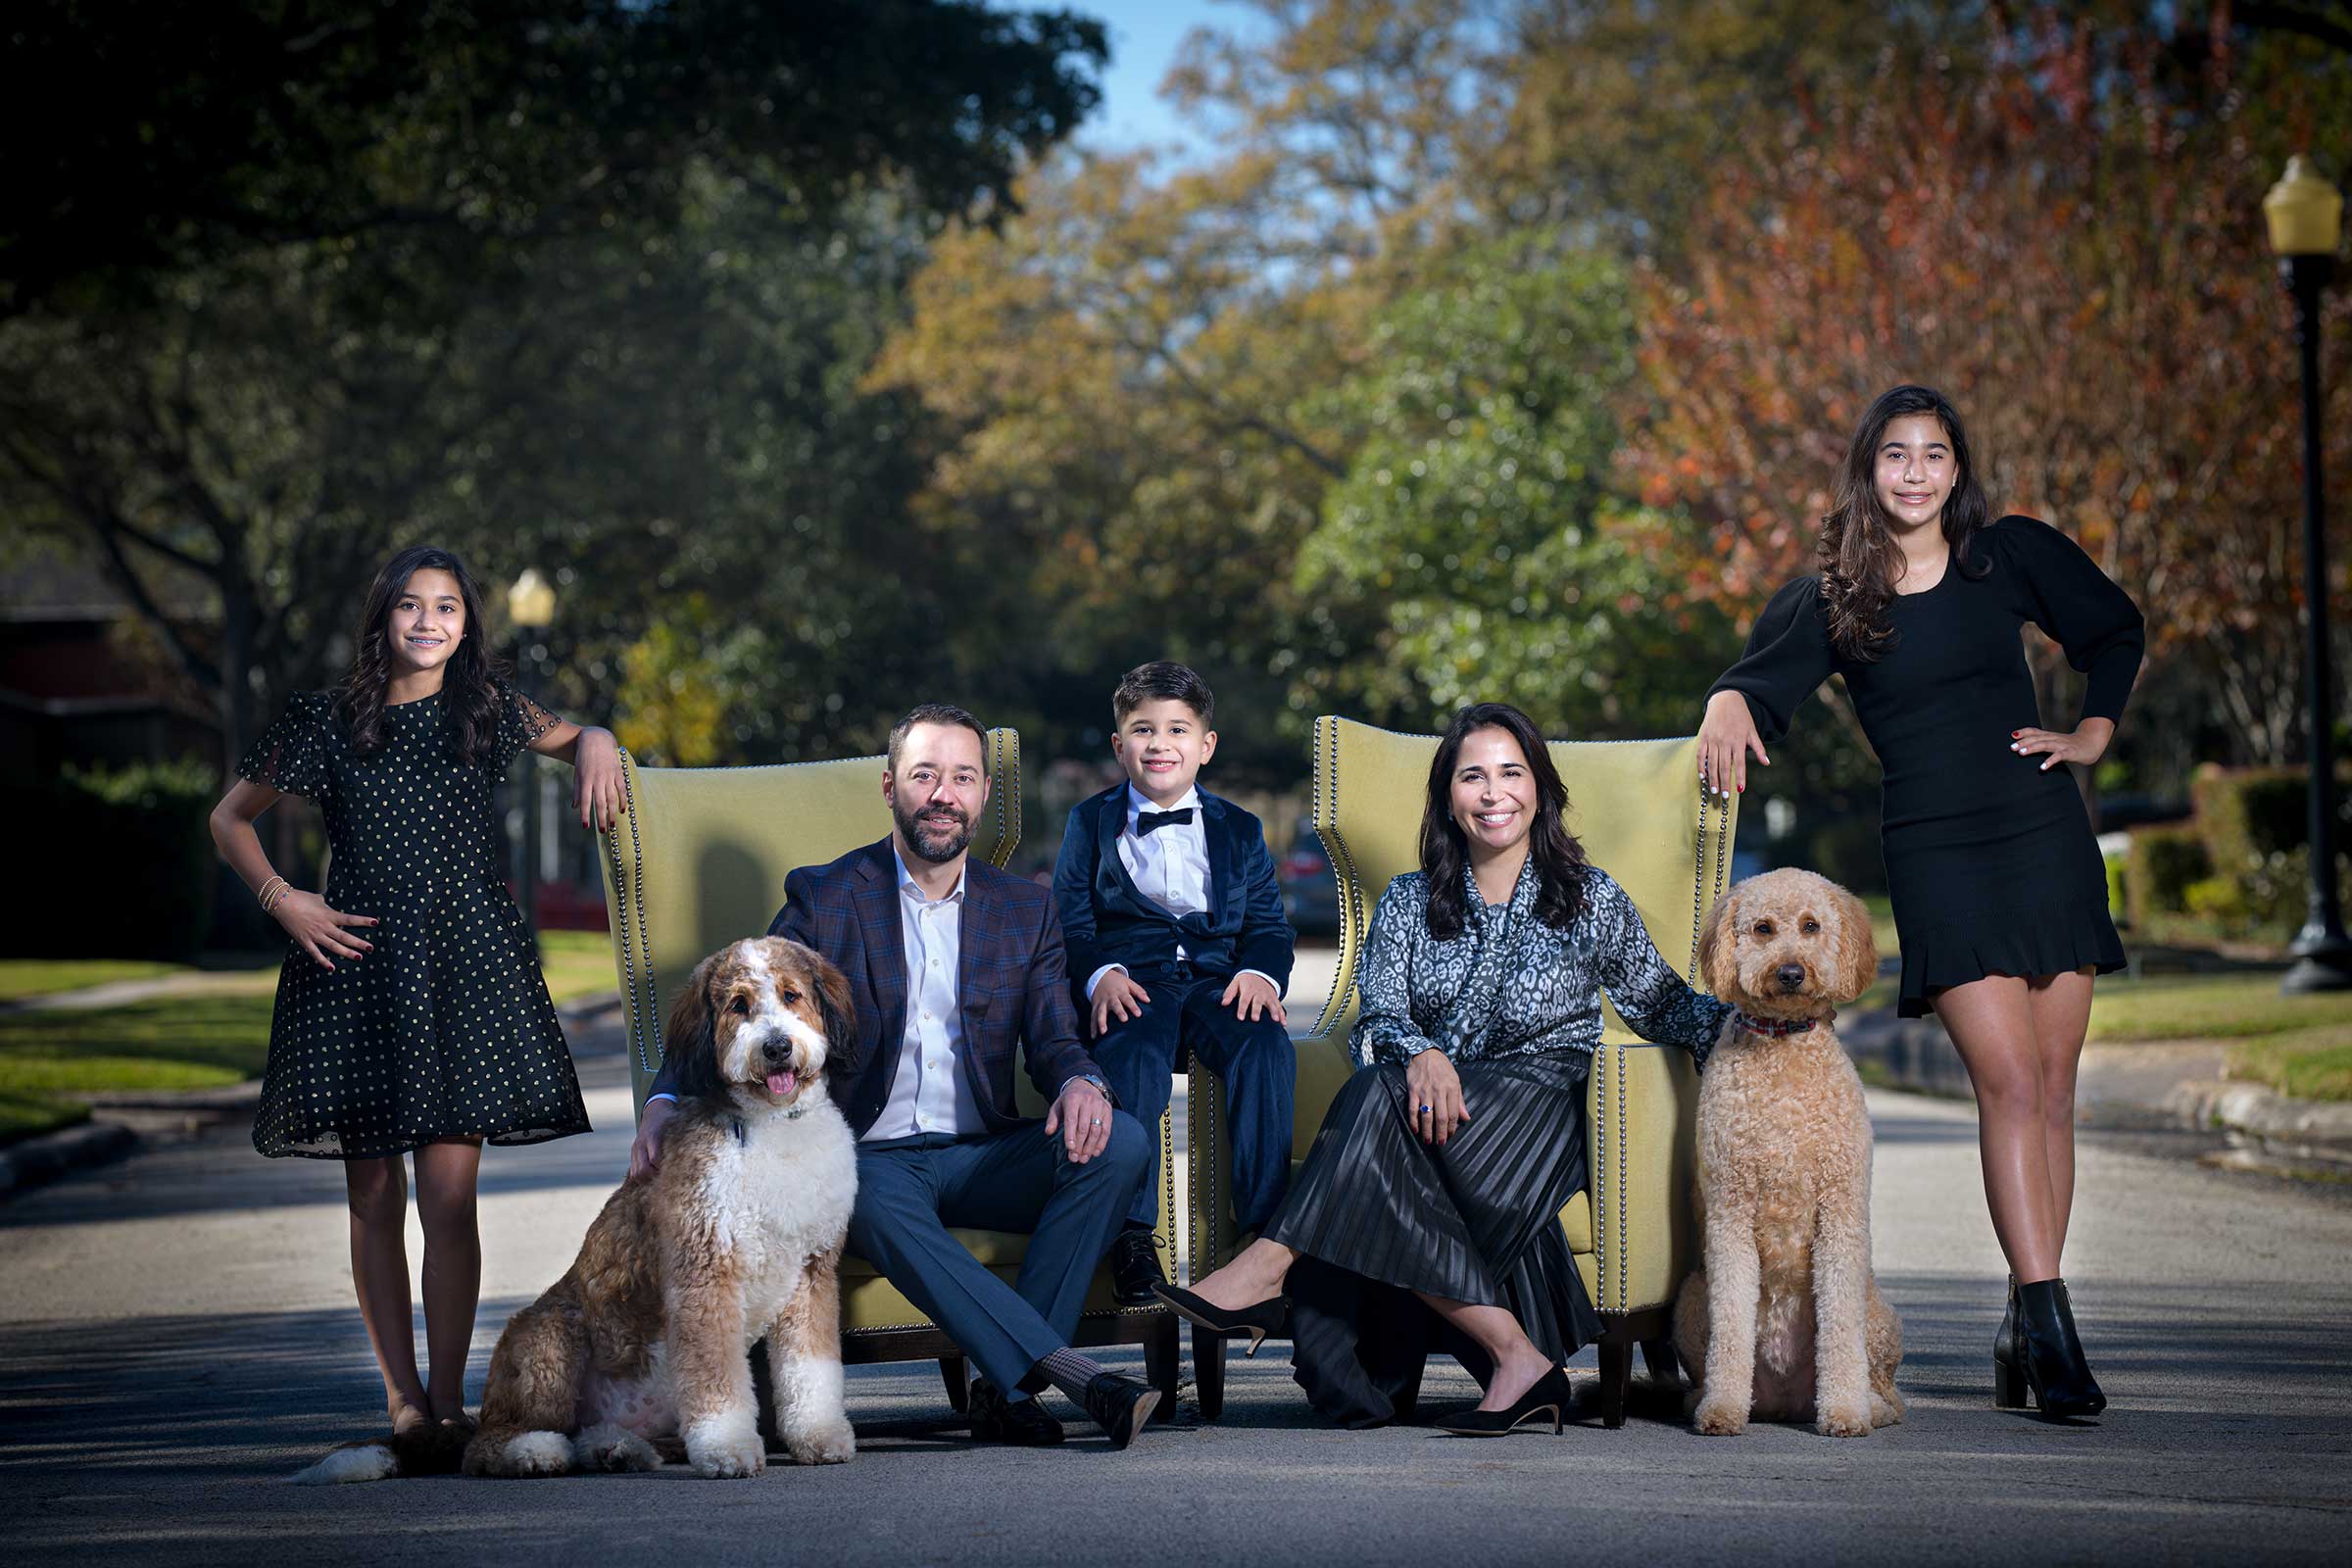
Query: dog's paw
[725, 1450]
[1719, 1418]
[614, 1447]
[1843, 1420]
[832, 1443]
[1885, 1409]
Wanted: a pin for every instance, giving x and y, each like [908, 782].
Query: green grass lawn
[576, 963]
[2211, 1006]
[2300, 1046]
[41, 977]
[202, 1041]
[2308, 1064]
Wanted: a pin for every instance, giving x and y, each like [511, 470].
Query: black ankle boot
[2054, 1367]
[2009, 1391]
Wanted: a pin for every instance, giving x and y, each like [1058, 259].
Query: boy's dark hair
[1163, 680]
[934, 714]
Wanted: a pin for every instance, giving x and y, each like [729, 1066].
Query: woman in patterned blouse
[1435, 1183]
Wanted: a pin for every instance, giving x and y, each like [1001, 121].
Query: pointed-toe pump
[2009, 1391]
[2054, 1367]
[1256, 1321]
[1551, 1396]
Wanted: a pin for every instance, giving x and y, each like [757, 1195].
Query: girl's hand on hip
[1438, 1111]
[596, 782]
[2085, 743]
[320, 931]
[1726, 737]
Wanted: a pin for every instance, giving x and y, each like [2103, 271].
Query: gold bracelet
[263, 895]
[283, 892]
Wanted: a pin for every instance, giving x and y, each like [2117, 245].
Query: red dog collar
[1777, 1027]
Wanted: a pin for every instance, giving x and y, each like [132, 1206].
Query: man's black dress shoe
[1023, 1423]
[1120, 1406]
[1135, 1268]
[1551, 1396]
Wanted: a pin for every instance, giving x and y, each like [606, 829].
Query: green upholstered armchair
[1637, 808]
[699, 862]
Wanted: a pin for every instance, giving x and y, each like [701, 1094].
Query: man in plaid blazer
[952, 964]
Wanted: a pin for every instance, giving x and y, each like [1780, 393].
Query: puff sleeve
[291, 754]
[2063, 591]
[1787, 659]
[520, 722]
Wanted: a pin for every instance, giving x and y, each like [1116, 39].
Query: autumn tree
[2070, 247]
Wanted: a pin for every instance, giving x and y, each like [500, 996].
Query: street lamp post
[530, 608]
[2306, 220]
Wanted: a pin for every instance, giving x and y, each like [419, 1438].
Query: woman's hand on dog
[645, 1153]
[1726, 737]
[1082, 1116]
[1438, 1110]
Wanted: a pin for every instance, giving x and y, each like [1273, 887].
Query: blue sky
[1144, 39]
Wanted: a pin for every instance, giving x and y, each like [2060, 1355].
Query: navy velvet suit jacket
[1011, 979]
[1106, 919]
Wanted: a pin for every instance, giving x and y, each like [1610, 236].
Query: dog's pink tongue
[781, 1084]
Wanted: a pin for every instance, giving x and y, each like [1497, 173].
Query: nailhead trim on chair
[626, 893]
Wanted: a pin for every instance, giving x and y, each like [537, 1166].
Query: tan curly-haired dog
[1785, 1321]
[734, 1239]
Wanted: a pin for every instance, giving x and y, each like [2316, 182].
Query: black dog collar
[1776, 1027]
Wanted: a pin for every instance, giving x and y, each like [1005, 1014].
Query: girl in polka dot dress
[411, 1018]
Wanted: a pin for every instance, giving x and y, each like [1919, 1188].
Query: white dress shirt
[931, 1092]
[1170, 867]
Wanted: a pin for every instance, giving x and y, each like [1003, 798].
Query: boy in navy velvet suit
[1178, 947]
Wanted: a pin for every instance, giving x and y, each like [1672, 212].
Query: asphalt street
[176, 1335]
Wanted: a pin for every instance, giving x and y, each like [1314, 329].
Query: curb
[2298, 1129]
[44, 1158]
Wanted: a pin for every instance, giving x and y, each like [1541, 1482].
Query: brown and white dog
[734, 1239]
[1785, 1321]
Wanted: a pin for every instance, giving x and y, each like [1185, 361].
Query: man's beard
[938, 840]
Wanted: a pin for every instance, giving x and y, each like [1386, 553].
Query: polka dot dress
[445, 1030]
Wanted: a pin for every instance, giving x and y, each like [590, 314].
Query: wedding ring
[1425, 1110]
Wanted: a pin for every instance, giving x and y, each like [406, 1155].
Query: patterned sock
[1070, 1372]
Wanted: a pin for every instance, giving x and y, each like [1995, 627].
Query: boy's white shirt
[1170, 867]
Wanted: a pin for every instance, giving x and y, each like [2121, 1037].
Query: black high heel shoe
[2054, 1366]
[1552, 1395]
[1256, 1321]
[2009, 1392]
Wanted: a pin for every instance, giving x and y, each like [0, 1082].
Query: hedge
[122, 861]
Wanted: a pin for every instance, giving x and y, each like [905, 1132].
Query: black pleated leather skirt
[1381, 1215]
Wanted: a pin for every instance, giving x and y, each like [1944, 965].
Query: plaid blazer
[1010, 982]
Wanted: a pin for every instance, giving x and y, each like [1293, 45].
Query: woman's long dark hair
[1859, 558]
[1559, 860]
[470, 685]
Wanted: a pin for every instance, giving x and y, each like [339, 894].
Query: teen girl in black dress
[1999, 895]
[411, 1018]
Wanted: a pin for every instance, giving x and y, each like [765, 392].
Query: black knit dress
[1990, 862]
[445, 1029]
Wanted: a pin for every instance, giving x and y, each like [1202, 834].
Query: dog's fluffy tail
[370, 1460]
[430, 1449]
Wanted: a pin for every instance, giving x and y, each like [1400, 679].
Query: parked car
[1311, 892]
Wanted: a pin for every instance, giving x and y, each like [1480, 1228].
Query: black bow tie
[1146, 821]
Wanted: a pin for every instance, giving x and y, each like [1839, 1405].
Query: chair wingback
[700, 859]
[1636, 807]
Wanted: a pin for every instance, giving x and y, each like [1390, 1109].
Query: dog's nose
[1792, 976]
[776, 1053]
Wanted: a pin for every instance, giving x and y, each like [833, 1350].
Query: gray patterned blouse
[1510, 985]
